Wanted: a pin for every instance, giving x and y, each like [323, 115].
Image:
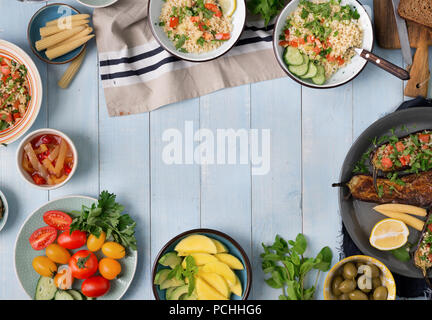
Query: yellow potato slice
[230, 260]
[217, 282]
[196, 243]
[403, 208]
[221, 269]
[206, 292]
[409, 220]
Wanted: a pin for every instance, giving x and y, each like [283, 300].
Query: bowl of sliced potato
[202, 264]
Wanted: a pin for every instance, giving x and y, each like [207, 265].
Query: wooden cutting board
[420, 37]
[386, 30]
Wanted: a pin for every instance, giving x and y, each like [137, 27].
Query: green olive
[349, 270]
[357, 295]
[347, 286]
[344, 296]
[335, 286]
[376, 282]
[375, 271]
[380, 293]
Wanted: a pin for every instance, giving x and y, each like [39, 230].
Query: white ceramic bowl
[97, 3]
[6, 210]
[30, 137]
[15, 53]
[238, 23]
[343, 75]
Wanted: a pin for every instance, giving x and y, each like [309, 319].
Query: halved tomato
[57, 219]
[43, 237]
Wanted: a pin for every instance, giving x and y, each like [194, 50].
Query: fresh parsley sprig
[106, 216]
[288, 267]
[268, 9]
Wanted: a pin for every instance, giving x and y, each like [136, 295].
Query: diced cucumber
[170, 259]
[320, 76]
[75, 294]
[173, 282]
[161, 276]
[293, 56]
[312, 72]
[63, 295]
[45, 289]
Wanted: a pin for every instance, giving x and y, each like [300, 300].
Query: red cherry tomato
[73, 240]
[43, 237]
[57, 219]
[83, 264]
[95, 287]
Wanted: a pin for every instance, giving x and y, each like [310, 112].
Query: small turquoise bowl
[39, 19]
[233, 247]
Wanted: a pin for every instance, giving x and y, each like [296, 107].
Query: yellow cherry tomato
[94, 243]
[57, 253]
[109, 268]
[44, 266]
[113, 250]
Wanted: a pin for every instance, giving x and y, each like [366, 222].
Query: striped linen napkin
[140, 76]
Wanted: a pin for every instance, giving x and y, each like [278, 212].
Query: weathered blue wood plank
[276, 196]
[175, 188]
[22, 197]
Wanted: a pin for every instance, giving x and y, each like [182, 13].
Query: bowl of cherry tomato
[47, 159]
[53, 263]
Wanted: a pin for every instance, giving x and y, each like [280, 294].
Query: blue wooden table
[311, 131]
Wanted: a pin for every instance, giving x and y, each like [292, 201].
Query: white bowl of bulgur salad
[20, 92]
[197, 30]
[314, 41]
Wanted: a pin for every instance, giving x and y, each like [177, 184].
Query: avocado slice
[173, 282]
[185, 296]
[178, 292]
[170, 259]
[161, 276]
[168, 292]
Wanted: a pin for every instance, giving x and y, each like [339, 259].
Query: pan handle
[385, 65]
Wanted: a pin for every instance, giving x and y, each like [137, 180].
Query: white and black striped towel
[139, 76]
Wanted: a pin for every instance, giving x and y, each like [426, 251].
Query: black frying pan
[358, 216]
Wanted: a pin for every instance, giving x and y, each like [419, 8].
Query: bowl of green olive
[359, 278]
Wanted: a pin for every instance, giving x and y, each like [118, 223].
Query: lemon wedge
[228, 7]
[389, 234]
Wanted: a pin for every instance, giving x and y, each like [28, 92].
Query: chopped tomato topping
[284, 43]
[330, 58]
[389, 149]
[424, 137]
[222, 36]
[424, 147]
[207, 36]
[5, 70]
[429, 227]
[430, 257]
[16, 115]
[38, 179]
[310, 38]
[405, 160]
[317, 50]
[301, 41]
[6, 117]
[386, 162]
[400, 146]
[16, 75]
[195, 19]
[214, 8]
[293, 43]
[340, 60]
[174, 21]
[287, 33]
[318, 43]
[200, 26]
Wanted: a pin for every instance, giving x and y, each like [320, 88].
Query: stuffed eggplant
[412, 152]
[414, 189]
[423, 253]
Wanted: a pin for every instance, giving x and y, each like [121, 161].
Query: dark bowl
[245, 275]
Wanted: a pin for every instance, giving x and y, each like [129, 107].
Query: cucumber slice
[45, 289]
[173, 282]
[293, 56]
[75, 294]
[170, 259]
[299, 70]
[320, 76]
[63, 295]
[161, 276]
[312, 72]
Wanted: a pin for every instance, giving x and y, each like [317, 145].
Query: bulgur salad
[319, 37]
[14, 92]
[195, 26]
